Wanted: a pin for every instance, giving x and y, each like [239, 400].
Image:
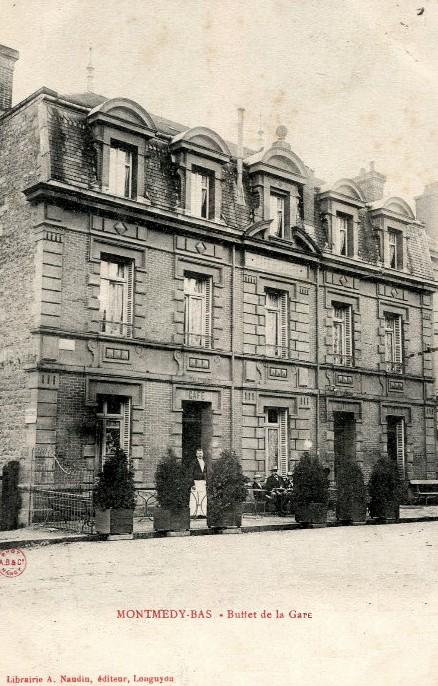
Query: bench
[423, 488]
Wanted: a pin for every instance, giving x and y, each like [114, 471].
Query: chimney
[427, 212]
[240, 192]
[8, 57]
[371, 183]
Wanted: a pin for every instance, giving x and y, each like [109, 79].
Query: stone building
[162, 287]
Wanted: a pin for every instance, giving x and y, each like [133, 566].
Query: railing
[62, 509]
[198, 340]
[277, 351]
[343, 360]
[394, 367]
[114, 328]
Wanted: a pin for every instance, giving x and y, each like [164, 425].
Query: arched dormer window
[392, 216]
[121, 129]
[340, 206]
[278, 175]
[200, 154]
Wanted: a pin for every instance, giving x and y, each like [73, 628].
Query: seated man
[288, 481]
[274, 489]
[258, 487]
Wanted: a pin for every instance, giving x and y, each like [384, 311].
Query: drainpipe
[233, 270]
[317, 359]
[240, 193]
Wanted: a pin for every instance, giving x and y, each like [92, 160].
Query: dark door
[196, 430]
[344, 437]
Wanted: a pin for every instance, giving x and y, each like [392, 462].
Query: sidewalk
[36, 535]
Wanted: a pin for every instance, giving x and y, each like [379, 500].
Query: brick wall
[19, 166]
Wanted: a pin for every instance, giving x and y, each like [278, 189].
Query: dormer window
[200, 155]
[395, 240]
[121, 170]
[202, 194]
[121, 129]
[277, 206]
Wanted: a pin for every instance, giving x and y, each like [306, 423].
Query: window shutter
[126, 426]
[211, 196]
[350, 235]
[398, 358]
[130, 299]
[399, 250]
[348, 315]
[283, 325]
[207, 287]
[400, 438]
[336, 237]
[282, 449]
[196, 194]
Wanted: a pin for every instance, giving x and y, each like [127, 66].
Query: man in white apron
[199, 488]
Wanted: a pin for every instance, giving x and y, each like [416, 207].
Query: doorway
[197, 430]
[344, 437]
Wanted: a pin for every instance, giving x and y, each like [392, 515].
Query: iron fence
[61, 494]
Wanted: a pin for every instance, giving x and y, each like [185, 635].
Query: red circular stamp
[12, 562]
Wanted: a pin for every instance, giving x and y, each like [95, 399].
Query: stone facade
[322, 380]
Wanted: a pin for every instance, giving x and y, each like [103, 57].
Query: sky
[353, 81]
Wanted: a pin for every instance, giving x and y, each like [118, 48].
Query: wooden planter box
[172, 520]
[387, 512]
[314, 513]
[229, 518]
[114, 521]
[352, 512]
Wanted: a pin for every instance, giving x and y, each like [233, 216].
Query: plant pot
[312, 513]
[224, 518]
[114, 521]
[352, 511]
[171, 520]
[386, 511]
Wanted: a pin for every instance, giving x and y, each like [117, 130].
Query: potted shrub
[114, 496]
[310, 491]
[385, 490]
[226, 492]
[351, 501]
[173, 484]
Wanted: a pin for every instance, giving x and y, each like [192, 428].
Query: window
[116, 296]
[276, 324]
[202, 202]
[393, 343]
[122, 170]
[276, 439]
[345, 234]
[396, 443]
[114, 415]
[277, 207]
[395, 239]
[197, 311]
[342, 335]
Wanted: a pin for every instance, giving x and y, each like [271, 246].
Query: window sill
[140, 199]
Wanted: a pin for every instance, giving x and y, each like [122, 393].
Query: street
[314, 607]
